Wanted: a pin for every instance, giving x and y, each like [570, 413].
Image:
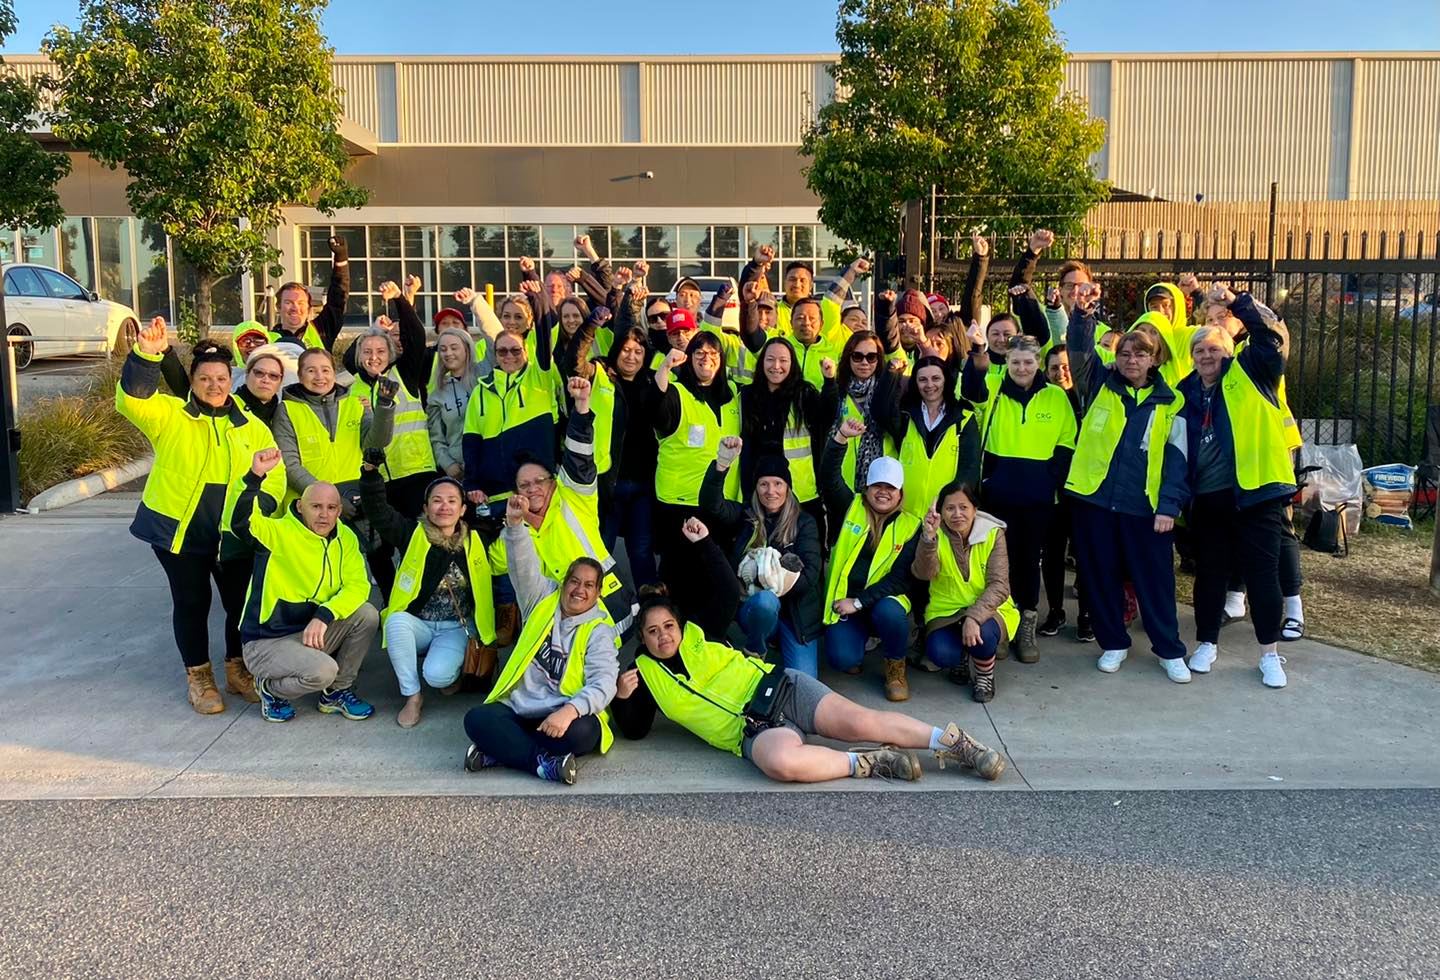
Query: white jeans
[443, 643]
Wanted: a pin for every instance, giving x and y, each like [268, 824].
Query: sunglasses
[509, 351]
[865, 357]
[658, 317]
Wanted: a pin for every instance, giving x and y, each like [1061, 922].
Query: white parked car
[709, 286]
[43, 302]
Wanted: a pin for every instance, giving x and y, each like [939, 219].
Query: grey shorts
[798, 707]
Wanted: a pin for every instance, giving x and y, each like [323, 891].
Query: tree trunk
[1435, 559]
[203, 285]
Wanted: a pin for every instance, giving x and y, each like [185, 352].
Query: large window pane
[558, 241]
[599, 237]
[77, 245]
[524, 241]
[316, 242]
[627, 242]
[425, 269]
[489, 241]
[804, 244]
[358, 310]
[762, 235]
[826, 241]
[490, 273]
[153, 294]
[116, 281]
[454, 241]
[726, 243]
[693, 268]
[354, 237]
[659, 241]
[454, 275]
[662, 277]
[7, 245]
[695, 241]
[383, 269]
[38, 246]
[419, 241]
[317, 275]
[385, 241]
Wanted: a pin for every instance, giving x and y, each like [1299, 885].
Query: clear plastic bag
[1337, 483]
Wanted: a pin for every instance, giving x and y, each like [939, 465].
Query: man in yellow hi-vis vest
[548, 705]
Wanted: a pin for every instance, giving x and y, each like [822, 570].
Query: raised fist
[385, 323]
[465, 295]
[1219, 295]
[1087, 295]
[1019, 289]
[600, 316]
[1188, 282]
[724, 293]
[573, 273]
[623, 274]
[386, 389]
[339, 251]
[530, 286]
[851, 428]
[264, 461]
[1041, 239]
[765, 254]
[979, 244]
[579, 392]
[642, 269]
[515, 509]
[827, 367]
[527, 264]
[888, 296]
[582, 243]
[388, 290]
[861, 266]
[1052, 298]
[675, 358]
[412, 284]
[694, 530]
[976, 333]
[725, 455]
[750, 292]
[153, 337]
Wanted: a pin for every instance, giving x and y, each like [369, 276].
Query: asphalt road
[1270, 884]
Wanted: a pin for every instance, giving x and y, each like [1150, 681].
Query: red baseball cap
[680, 319]
[448, 311]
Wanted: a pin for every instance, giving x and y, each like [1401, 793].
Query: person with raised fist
[299, 324]
[202, 444]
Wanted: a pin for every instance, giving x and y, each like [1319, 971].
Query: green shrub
[71, 436]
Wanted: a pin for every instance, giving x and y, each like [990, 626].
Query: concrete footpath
[94, 706]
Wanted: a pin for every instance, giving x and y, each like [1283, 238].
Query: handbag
[766, 708]
[477, 671]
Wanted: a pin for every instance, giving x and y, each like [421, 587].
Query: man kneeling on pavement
[307, 623]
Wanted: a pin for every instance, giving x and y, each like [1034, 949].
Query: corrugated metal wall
[728, 102]
[531, 103]
[359, 95]
[1397, 131]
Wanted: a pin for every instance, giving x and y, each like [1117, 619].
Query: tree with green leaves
[965, 95]
[222, 112]
[27, 192]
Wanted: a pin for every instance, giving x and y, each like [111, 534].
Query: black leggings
[500, 733]
[189, 577]
[1026, 529]
[1290, 577]
[1252, 537]
[1057, 543]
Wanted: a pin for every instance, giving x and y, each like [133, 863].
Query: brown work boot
[507, 624]
[961, 748]
[1027, 651]
[409, 715]
[204, 695]
[887, 762]
[897, 688]
[239, 682]
[983, 689]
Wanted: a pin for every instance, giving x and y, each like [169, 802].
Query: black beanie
[772, 466]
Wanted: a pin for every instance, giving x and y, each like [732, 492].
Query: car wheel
[24, 353]
[126, 337]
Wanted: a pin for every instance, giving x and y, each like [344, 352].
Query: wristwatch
[858, 604]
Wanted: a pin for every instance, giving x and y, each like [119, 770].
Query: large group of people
[802, 488]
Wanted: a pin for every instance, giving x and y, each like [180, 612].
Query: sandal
[1292, 628]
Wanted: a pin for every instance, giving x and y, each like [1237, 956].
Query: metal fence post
[10, 451]
[1270, 252]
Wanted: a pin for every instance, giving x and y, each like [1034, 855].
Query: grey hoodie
[375, 431]
[538, 691]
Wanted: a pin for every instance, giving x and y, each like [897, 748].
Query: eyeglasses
[267, 375]
[865, 357]
[706, 352]
[529, 485]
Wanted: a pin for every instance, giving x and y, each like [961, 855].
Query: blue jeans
[629, 517]
[760, 618]
[443, 643]
[945, 647]
[845, 640]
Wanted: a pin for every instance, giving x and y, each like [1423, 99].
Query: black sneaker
[475, 760]
[1052, 624]
[1084, 632]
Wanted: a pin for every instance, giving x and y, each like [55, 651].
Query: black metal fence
[1364, 363]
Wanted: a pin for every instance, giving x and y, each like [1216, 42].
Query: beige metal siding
[532, 103]
[1397, 133]
[1224, 129]
[728, 102]
[358, 93]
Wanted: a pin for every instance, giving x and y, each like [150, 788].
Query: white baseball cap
[886, 469]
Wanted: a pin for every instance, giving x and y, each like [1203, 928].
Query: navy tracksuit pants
[1113, 547]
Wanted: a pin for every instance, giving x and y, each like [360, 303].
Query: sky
[808, 26]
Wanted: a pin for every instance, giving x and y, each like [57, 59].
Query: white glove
[748, 573]
[773, 575]
[725, 455]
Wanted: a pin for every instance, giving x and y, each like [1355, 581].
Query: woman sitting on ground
[442, 593]
[776, 554]
[711, 690]
[970, 613]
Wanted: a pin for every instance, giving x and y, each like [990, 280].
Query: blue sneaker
[475, 760]
[271, 707]
[346, 703]
[557, 768]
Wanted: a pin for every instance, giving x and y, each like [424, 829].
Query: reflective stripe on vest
[411, 574]
[853, 534]
[809, 358]
[569, 530]
[409, 451]
[799, 453]
[1259, 432]
[1100, 435]
[926, 475]
[1029, 431]
[710, 702]
[331, 460]
[602, 406]
[538, 627]
[949, 593]
[687, 452]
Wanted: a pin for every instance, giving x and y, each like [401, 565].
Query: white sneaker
[1176, 670]
[1111, 660]
[1203, 657]
[1272, 670]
